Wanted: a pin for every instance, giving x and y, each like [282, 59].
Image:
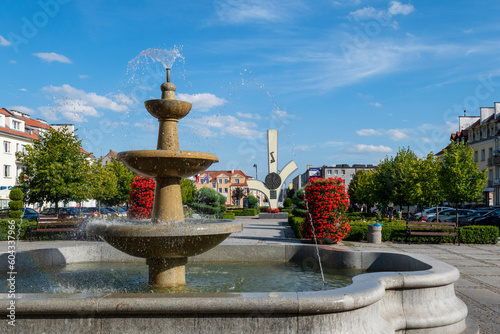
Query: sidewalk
[479, 265]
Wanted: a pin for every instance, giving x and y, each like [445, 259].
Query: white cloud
[76, 105]
[51, 56]
[303, 148]
[203, 101]
[397, 134]
[368, 132]
[4, 42]
[13, 61]
[113, 125]
[248, 115]
[83, 76]
[22, 109]
[148, 125]
[362, 148]
[23, 89]
[241, 12]
[366, 13]
[224, 125]
[376, 104]
[397, 8]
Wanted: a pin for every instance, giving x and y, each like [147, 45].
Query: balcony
[494, 161]
[496, 182]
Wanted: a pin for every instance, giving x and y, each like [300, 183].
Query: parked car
[28, 214]
[448, 214]
[492, 219]
[469, 219]
[119, 211]
[94, 211]
[48, 212]
[430, 211]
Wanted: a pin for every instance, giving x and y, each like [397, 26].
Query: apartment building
[226, 183]
[345, 172]
[16, 131]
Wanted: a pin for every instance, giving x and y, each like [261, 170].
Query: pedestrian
[390, 213]
[400, 214]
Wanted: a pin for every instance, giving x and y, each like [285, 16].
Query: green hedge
[228, 215]
[245, 212]
[4, 228]
[396, 231]
[296, 225]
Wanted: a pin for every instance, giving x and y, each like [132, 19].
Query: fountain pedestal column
[167, 272]
[167, 206]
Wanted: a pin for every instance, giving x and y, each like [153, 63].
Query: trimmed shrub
[245, 212]
[16, 203]
[4, 228]
[300, 206]
[287, 203]
[209, 201]
[296, 225]
[253, 202]
[228, 215]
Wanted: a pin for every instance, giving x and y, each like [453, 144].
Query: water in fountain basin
[202, 277]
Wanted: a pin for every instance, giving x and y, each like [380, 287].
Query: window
[329, 172]
[213, 185]
[352, 176]
[482, 155]
[16, 125]
[343, 171]
[490, 152]
[236, 180]
[225, 190]
[220, 190]
[6, 170]
[220, 180]
[6, 146]
[475, 156]
[226, 180]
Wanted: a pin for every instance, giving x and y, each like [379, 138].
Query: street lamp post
[255, 165]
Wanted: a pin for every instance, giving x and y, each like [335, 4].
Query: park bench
[57, 225]
[421, 228]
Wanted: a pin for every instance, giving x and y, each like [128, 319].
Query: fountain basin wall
[409, 294]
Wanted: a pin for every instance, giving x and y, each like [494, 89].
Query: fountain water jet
[167, 240]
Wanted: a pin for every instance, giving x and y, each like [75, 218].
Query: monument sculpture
[274, 179]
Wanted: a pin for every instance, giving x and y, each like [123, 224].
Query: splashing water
[315, 241]
[147, 61]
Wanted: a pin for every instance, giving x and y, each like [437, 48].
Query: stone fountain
[167, 240]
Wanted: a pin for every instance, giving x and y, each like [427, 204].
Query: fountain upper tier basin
[167, 163]
[167, 109]
[176, 240]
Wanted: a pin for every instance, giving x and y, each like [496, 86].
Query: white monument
[274, 180]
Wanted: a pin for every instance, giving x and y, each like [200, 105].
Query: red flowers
[327, 202]
[273, 210]
[141, 197]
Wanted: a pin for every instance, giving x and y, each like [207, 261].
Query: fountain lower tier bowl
[167, 163]
[177, 240]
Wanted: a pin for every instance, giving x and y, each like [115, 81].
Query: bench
[432, 229]
[57, 225]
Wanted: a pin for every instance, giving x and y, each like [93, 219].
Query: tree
[253, 202]
[428, 189]
[460, 177]
[237, 194]
[209, 201]
[56, 169]
[188, 191]
[124, 178]
[362, 188]
[103, 183]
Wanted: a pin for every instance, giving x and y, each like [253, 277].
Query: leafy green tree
[188, 191]
[56, 169]
[362, 188]
[16, 203]
[428, 189]
[460, 177]
[124, 178]
[237, 194]
[103, 183]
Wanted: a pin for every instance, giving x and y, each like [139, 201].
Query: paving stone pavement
[479, 265]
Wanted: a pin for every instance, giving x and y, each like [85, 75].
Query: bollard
[375, 233]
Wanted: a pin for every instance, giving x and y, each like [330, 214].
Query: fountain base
[167, 272]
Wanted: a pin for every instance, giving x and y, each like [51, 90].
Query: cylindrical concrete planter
[375, 234]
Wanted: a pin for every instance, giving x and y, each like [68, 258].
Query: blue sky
[343, 81]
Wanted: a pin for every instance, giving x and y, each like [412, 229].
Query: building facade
[226, 183]
[343, 171]
[17, 130]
